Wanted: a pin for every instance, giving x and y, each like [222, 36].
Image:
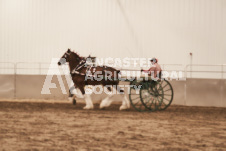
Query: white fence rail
[25, 80]
[217, 71]
[205, 70]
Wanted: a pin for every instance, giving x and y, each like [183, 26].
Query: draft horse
[81, 73]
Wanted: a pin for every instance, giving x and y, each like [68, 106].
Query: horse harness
[83, 63]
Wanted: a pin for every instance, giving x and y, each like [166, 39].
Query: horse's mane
[76, 54]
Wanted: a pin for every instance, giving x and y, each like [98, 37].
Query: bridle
[80, 64]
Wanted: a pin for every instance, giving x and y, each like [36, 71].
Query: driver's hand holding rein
[155, 68]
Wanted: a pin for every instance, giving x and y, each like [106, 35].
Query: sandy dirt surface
[62, 126]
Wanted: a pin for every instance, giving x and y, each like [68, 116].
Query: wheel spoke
[136, 103]
[166, 99]
[168, 94]
[163, 103]
[167, 90]
[150, 104]
[165, 86]
[135, 98]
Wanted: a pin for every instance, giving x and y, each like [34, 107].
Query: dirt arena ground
[62, 126]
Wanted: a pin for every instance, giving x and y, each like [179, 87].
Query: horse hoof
[88, 108]
[102, 107]
[123, 108]
[74, 102]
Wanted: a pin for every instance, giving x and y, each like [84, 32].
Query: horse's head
[65, 57]
[69, 56]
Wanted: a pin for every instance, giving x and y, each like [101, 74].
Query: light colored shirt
[155, 68]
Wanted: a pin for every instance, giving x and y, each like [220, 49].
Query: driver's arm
[150, 70]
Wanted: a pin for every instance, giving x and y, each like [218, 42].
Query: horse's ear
[68, 50]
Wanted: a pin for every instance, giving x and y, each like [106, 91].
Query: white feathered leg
[125, 103]
[106, 102]
[89, 103]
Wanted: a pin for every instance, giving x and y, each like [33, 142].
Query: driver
[155, 69]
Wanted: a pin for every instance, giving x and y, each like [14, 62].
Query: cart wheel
[134, 96]
[166, 94]
[151, 95]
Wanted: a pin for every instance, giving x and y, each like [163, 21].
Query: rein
[81, 64]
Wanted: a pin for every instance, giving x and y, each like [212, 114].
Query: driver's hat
[154, 60]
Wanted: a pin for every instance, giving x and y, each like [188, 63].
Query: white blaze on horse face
[53, 70]
[62, 60]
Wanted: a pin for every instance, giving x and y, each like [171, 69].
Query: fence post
[40, 67]
[191, 71]
[185, 71]
[15, 74]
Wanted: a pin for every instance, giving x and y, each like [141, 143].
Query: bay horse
[81, 79]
